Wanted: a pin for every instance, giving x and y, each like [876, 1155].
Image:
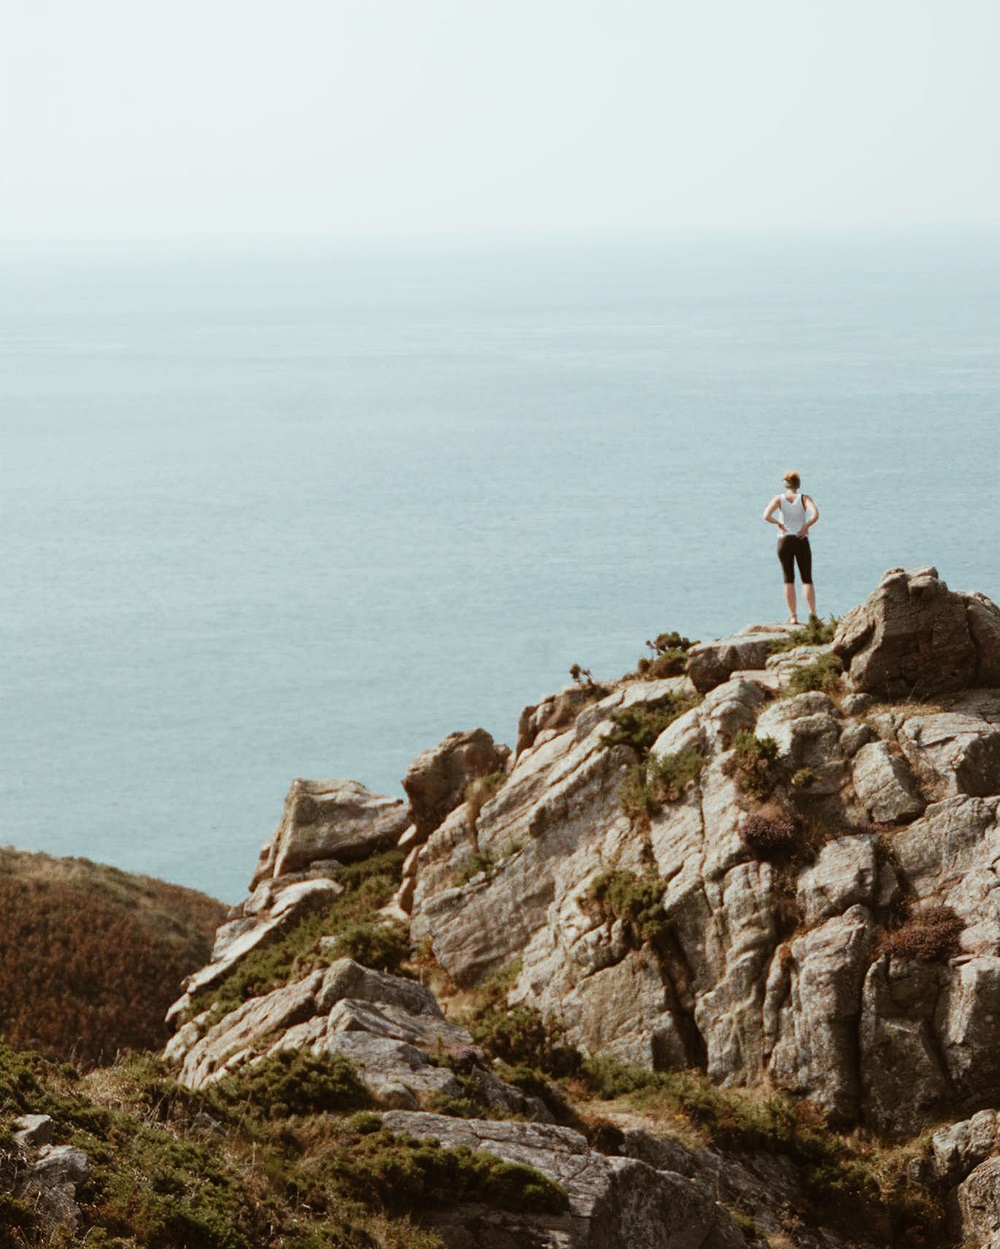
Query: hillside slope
[90, 956]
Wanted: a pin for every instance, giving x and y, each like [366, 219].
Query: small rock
[33, 1130]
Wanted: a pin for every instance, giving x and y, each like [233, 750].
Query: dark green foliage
[17, 1223]
[822, 674]
[636, 899]
[368, 885]
[522, 1036]
[291, 1082]
[667, 657]
[640, 726]
[401, 1174]
[752, 763]
[384, 946]
[815, 632]
[648, 784]
[767, 835]
[931, 935]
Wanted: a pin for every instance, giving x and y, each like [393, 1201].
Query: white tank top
[793, 515]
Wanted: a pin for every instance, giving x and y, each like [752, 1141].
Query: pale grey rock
[968, 1023]
[845, 873]
[960, 752]
[32, 1131]
[913, 637]
[340, 820]
[856, 704]
[436, 780]
[559, 711]
[903, 1080]
[784, 663]
[816, 1050]
[807, 730]
[397, 1073]
[884, 784]
[235, 1037]
[853, 736]
[614, 1201]
[711, 663]
[289, 905]
[960, 1147]
[729, 707]
[979, 1205]
[687, 732]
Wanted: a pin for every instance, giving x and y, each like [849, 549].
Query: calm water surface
[282, 514]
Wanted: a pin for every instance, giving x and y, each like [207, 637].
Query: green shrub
[385, 946]
[641, 725]
[803, 778]
[301, 947]
[647, 785]
[823, 674]
[752, 763]
[291, 1082]
[667, 657]
[929, 936]
[638, 900]
[815, 632]
[523, 1037]
[400, 1174]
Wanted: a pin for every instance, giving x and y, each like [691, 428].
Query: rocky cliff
[768, 861]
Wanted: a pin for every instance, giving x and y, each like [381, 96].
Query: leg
[790, 601]
[786, 554]
[804, 556]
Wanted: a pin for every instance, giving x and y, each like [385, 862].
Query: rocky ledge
[775, 866]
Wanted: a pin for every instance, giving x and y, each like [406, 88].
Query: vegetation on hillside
[91, 957]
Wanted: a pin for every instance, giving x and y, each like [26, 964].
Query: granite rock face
[792, 964]
[915, 638]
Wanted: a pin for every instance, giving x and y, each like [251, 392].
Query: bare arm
[810, 504]
[770, 510]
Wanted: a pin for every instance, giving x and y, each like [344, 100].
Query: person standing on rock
[794, 513]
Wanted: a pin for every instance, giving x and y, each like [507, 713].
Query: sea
[301, 511]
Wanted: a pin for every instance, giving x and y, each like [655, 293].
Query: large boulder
[340, 820]
[613, 1201]
[437, 779]
[913, 638]
[979, 1206]
[711, 663]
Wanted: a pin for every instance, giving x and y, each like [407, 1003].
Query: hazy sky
[291, 118]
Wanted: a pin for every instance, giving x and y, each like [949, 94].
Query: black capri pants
[791, 550]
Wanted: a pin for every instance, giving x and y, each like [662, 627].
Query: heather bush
[768, 834]
[383, 945]
[291, 1082]
[930, 935]
[522, 1037]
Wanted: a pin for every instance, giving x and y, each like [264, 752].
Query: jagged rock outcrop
[390, 1028]
[828, 916]
[914, 638]
[324, 820]
[437, 779]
